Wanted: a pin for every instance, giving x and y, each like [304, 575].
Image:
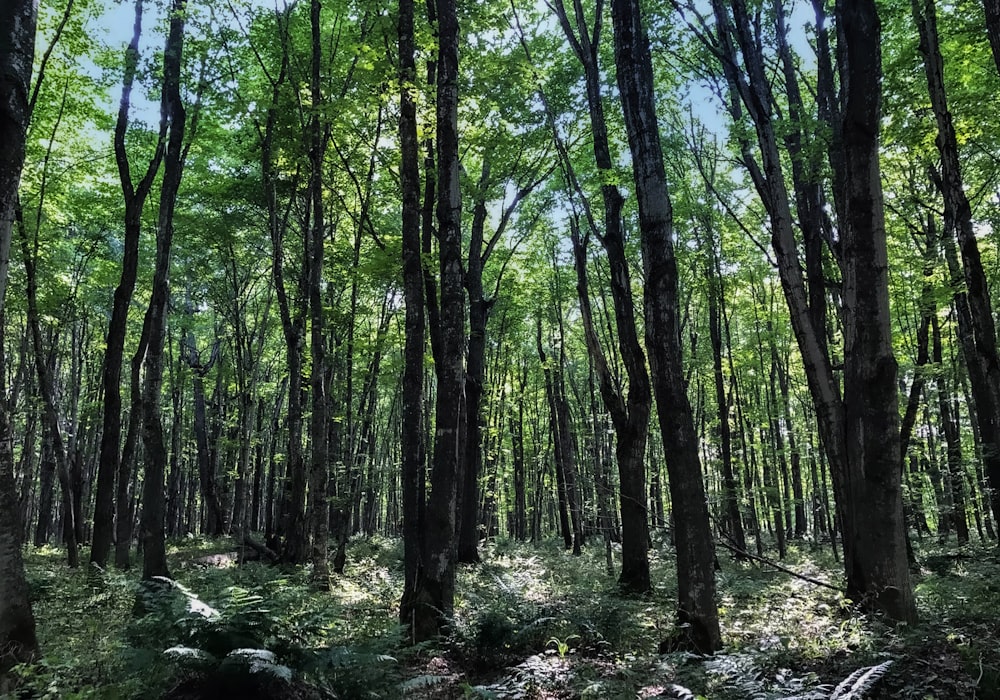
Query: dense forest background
[706, 282]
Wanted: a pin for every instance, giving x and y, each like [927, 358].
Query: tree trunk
[135, 198]
[958, 219]
[693, 535]
[172, 110]
[732, 519]
[629, 414]
[411, 609]
[874, 509]
[319, 506]
[435, 586]
[17, 622]
[46, 388]
[214, 519]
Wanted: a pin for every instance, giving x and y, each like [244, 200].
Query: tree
[17, 50]
[693, 534]
[435, 588]
[863, 485]
[629, 413]
[413, 448]
[984, 359]
[319, 507]
[873, 489]
[173, 111]
[135, 198]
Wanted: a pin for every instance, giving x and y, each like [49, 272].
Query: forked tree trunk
[629, 413]
[135, 198]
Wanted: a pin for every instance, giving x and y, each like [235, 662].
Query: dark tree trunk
[629, 414]
[992, 8]
[135, 198]
[126, 465]
[434, 590]
[516, 418]
[733, 519]
[949, 423]
[319, 505]
[411, 609]
[17, 49]
[479, 310]
[46, 389]
[214, 519]
[558, 446]
[958, 219]
[46, 489]
[693, 535]
[172, 110]
[873, 568]
[879, 568]
[290, 520]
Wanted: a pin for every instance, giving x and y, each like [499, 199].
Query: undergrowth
[531, 621]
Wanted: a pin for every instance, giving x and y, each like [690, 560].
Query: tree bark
[629, 414]
[135, 198]
[693, 535]
[958, 220]
[874, 509]
[172, 109]
[435, 587]
[413, 448]
[319, 476]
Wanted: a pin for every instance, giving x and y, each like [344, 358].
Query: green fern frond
[421, 683]
[860, 682]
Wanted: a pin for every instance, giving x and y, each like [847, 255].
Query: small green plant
[562, 646]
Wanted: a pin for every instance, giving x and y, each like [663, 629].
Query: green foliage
[532, 621]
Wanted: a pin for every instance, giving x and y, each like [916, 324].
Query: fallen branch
[263, 551]
[776, 565]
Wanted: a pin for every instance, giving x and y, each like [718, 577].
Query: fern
[861, 681]
[422, 683]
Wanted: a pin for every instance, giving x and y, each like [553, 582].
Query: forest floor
[531, 621]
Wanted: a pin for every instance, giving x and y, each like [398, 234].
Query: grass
[530, 622]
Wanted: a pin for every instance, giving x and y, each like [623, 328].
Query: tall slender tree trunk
[733, 518]
[435, 588]
[172, 109]
[411, 612]
[319, 475]
[693, 535]
[958, 220]
[46, 389]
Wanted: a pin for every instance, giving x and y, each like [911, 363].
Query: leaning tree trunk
[693, 534]
[958, 219]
